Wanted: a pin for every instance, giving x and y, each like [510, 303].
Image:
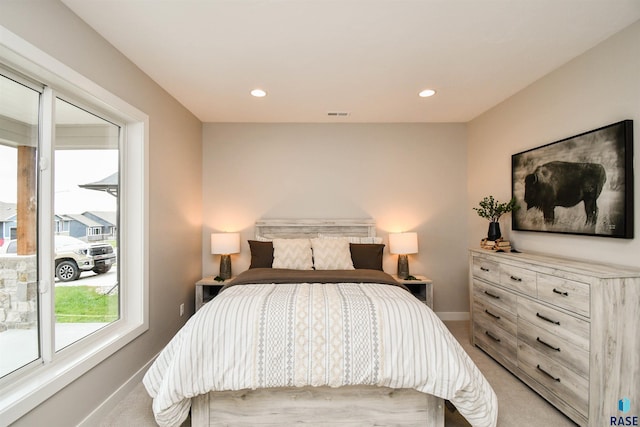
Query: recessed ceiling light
[258, 93]
[427, 93]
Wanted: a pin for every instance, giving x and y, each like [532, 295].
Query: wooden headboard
[300, 228]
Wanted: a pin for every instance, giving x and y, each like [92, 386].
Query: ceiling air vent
[338, 114]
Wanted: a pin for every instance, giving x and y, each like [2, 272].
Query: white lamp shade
[403, 243]
[225, 243]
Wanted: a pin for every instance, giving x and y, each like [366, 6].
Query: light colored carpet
[519, 405]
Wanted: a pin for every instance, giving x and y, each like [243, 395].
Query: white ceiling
[366, 57]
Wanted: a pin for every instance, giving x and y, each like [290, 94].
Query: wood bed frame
[344, 406]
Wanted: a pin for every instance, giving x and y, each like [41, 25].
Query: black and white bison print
[565, 184]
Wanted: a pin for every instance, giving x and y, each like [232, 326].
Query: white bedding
[255, 336]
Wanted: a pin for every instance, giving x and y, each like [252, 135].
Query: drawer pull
[490, 335]
[492, 315]
[547, 319]
[484, 269]
[516, 279]
[555, 291]
[547, 344]
[491, 295]
[548, 374]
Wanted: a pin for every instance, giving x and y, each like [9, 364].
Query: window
[19, 323]
[94, 231]
[86, 286]
[72, 207]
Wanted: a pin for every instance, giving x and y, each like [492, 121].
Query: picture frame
[578, 185]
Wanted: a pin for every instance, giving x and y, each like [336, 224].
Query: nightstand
[206, 289]
[422, 288]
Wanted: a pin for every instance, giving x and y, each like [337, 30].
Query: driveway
[89, 278]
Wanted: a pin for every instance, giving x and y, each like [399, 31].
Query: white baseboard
[453, 315]
[98, 414]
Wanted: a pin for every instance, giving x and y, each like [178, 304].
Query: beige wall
[405, 176]
[175, 177]
[598, 88]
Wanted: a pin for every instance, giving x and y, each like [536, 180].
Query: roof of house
[108, 184]
[7, 210]
[82, 219]
[107, 216]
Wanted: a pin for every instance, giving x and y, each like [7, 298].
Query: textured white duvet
[254, 336]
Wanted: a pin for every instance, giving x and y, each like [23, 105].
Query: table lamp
[224, 244]
[403, 244]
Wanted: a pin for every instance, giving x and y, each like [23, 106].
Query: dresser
[569, 329]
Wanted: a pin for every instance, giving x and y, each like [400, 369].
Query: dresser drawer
[495, 296]
[568, 294]
[519, 279]
[487, 314]
[485, 269]
[561, 381]
[564, 326]
[496, 341]
[554, 347]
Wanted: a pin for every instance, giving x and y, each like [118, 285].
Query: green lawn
[82, 304]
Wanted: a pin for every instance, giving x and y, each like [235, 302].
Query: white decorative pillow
[294, 254]
[331, 254]
[354, 239]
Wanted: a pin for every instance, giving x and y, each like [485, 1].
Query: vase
[494, 231]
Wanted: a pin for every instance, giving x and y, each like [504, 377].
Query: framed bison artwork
[579, 185]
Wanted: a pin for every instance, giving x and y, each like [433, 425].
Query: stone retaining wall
[18, 292]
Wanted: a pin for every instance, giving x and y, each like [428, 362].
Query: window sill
[24, 394]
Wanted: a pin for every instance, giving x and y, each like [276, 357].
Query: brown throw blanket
[282, 275]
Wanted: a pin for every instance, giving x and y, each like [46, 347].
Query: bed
[307, 336]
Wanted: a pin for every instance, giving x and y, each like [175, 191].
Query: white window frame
[94, 231]
[37, 382]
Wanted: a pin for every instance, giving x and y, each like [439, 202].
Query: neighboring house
[90, 226]
[61, 224]
[107, 219]
[7, 221]
[78, 226]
